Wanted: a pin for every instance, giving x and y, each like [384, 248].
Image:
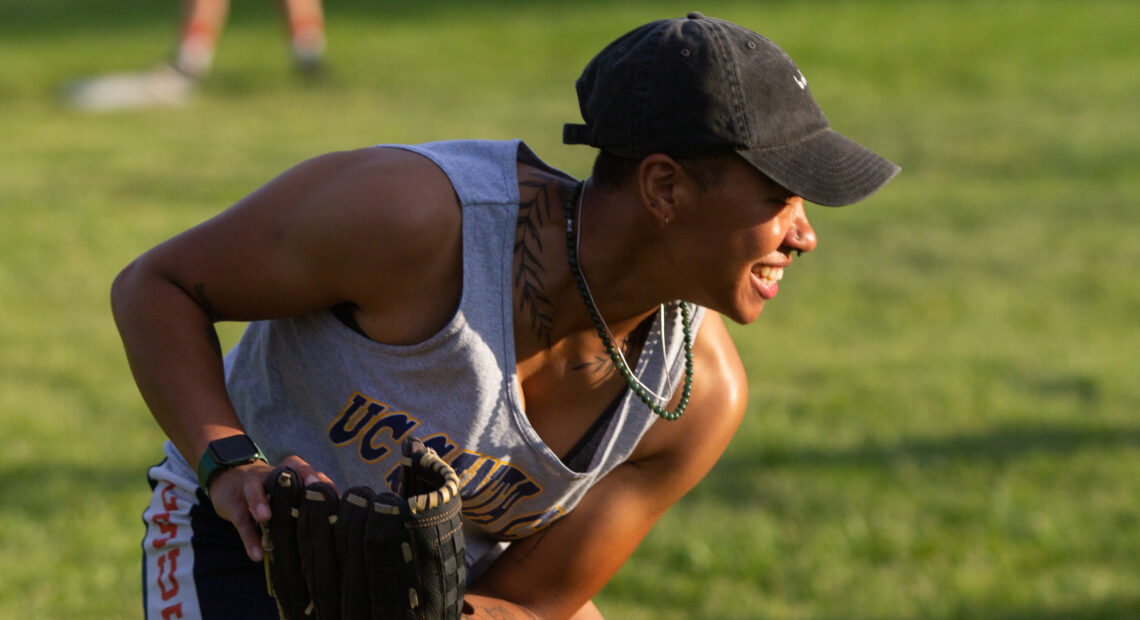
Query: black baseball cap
[700, 85]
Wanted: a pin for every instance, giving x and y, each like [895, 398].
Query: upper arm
[557, 570]
[327, 231]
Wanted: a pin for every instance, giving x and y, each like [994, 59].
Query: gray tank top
[314, 387]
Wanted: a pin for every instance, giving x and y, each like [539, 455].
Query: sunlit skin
[719, 239]
[309, 240]
[751, 222]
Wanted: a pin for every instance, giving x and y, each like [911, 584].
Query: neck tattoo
[653, 400]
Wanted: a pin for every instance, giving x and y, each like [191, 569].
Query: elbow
[120, 291]
[126, 293]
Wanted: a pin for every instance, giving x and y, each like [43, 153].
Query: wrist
[225, 454]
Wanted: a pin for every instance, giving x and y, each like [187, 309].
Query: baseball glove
[367, 555]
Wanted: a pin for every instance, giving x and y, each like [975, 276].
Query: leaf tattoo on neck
[529, 270]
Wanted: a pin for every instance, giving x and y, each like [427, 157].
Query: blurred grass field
[943, 418]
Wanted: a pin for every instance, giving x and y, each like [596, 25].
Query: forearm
[479, 607]
[175, 357]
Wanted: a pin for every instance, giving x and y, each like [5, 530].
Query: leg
[171, 83]
[202, 24]
[194, 565]
[306, 22]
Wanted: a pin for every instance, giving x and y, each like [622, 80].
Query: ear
[664, 186]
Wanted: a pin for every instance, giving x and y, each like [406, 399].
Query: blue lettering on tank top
[361, 418]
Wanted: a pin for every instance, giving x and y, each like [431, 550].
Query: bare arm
[334, 229]
[487, 608]
[555, 573]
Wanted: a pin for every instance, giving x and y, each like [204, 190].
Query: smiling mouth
[769, 276]
[766, 280]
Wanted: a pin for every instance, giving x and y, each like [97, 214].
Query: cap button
[695, 15]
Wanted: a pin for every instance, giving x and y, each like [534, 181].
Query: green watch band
[226, 453]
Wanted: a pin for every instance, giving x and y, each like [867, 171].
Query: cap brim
[826, 168]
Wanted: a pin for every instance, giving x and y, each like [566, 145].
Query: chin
[743, 315]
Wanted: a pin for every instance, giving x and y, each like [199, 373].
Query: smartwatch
[226, 453]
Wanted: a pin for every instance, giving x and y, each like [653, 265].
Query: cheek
[770, 237]
[756, 242]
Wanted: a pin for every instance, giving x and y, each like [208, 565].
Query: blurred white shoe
[164, 86]
[308, 56]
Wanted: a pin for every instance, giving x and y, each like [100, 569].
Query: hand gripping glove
[366, 555]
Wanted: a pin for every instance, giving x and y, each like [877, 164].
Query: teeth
[771, 274]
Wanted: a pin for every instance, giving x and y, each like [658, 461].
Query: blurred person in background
[172, 82]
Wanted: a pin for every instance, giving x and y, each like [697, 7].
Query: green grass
[943, 409]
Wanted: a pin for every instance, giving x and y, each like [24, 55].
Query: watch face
[234, 449]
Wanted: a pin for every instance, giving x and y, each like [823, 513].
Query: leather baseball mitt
[367, 555]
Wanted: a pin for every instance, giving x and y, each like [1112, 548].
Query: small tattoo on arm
[211, 332]
[200, 297]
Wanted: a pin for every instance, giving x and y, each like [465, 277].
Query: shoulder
[389, 204]
[380, 181]
[368, 225]
[400, 242]
[688, 447]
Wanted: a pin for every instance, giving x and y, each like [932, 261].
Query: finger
[250, 537]
[308, 474]
[254, 491]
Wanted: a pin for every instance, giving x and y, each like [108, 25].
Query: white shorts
[194, 564]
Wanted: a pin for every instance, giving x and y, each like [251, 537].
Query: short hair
[612, 171]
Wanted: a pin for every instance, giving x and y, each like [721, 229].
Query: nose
[800, 235]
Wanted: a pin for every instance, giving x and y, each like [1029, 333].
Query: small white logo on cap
[800, 79]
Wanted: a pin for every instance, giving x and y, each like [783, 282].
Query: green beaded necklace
[614, 352]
